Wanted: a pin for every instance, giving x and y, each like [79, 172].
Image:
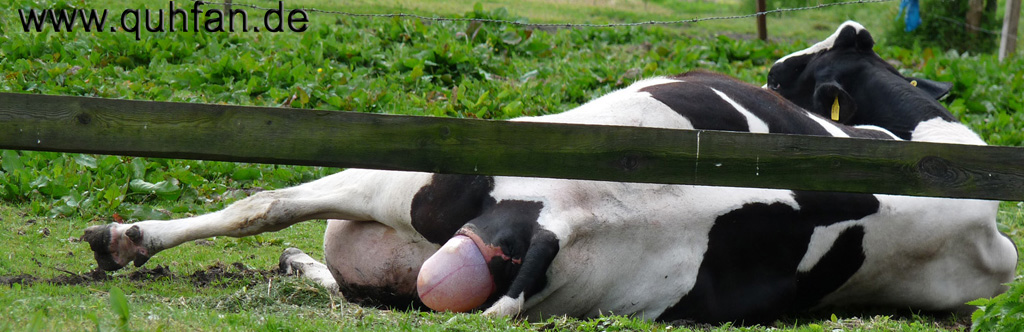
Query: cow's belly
[635, 254]
[610, 274]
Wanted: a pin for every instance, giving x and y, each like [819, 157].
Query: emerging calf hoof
[505, 307]
[113, 249]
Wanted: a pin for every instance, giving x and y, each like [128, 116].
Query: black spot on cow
[694, 99]
[749, 271]
[532, 276]
[508, 225]
[834, 268]
[698, 104]
[440, 208]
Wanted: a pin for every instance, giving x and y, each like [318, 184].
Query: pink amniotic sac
[455, 278]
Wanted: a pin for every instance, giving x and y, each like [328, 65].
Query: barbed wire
[554, 25]
[968, 25]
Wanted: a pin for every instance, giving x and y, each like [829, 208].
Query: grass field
[48, 282]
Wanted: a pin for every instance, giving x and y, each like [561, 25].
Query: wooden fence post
[762, 25]
[1008, 43]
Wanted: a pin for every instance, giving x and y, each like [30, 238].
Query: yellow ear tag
[835, 110]
[913, 83]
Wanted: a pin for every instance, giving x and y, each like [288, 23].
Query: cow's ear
[831, 101]
[935, 89]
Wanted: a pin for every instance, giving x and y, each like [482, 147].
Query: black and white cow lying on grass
[539, 247]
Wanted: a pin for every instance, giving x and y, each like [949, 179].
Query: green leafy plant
[1004, 312]
[119, 306]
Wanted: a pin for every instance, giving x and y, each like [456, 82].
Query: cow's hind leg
[353, 195]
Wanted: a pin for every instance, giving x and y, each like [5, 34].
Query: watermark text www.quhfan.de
[173, 19]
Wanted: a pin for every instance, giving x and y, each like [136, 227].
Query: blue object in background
[913, 13]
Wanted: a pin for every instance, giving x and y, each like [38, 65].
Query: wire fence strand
[592, 25]
[554, 25]
[968, 26]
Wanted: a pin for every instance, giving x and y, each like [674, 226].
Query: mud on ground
[201, 278]
[215, 276]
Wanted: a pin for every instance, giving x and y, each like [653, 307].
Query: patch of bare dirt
[207, 277]
[237, 271]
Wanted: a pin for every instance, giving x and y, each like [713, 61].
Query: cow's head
[842, 78]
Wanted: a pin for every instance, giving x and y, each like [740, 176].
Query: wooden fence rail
[461, 146]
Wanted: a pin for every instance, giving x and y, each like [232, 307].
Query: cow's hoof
[114, 245]
[286, 264]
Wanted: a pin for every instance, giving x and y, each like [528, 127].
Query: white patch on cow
[754, 123]
[829, 126]
[930, 254]
[826, 44]
[506, 307]
[821, 242]
[942, 131]
[625, 107]
[879, 129]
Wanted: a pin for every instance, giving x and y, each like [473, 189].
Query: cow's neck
[903, 109]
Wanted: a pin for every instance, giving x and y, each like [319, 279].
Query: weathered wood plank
[344, 139]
